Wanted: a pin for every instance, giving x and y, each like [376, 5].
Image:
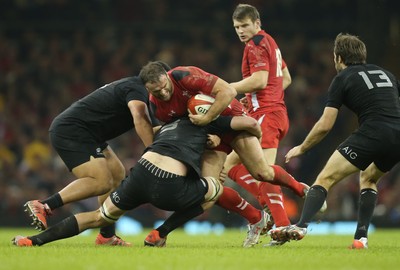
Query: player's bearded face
[246, 29]
[162, 89]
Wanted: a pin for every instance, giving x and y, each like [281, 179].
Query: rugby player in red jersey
[265, 77]
[169, 94]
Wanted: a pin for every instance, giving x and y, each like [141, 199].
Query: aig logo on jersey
[349, 152]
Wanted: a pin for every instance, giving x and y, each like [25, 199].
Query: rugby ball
[199, 104]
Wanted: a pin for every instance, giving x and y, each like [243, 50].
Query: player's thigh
[96, 168]
[212, 163]
[115, 165]
[335, 170]
[249, 150]
[270, 155]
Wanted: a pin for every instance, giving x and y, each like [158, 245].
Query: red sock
[242, 177]
[267, 194]
[232, 201]
[283, 178]
[272, 196]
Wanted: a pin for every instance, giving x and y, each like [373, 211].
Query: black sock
[54, 201]
[366, 206]
[179, 218]
[64, 229]
[108, 231]
[314, 200]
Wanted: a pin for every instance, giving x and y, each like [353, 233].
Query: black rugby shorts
[373, 142]
[147, 185]
[76, 152]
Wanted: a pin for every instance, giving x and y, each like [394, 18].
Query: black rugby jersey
[370, 91]
[184, 141]
[104, 113]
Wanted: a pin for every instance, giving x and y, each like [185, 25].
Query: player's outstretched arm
[317, 133]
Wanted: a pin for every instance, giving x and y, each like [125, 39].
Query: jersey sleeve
[335, 93]
[258, 58]
[135, 93]
[199, 81]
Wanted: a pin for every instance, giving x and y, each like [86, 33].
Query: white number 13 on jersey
[382, 75]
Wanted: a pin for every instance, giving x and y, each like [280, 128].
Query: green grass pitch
[197, 252]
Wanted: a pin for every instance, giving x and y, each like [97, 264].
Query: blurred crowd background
[53, 52]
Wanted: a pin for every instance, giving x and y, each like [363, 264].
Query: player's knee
[263, 174]
[103, 184]
[325, 180]
[369, 178]
[268, 174]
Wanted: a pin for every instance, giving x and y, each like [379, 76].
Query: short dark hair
[243, 11]
[164, 65]
[351, 49]
[152, 71]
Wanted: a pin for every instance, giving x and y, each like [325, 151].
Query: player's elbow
[259, 84]
[287, 79]
[286, 82]
[231, 93]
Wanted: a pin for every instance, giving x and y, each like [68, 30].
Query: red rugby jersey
[187, 82]
[262, 53]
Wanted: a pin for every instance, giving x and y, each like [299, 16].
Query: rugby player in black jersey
[167, 176]
[372, 93]
[80, 134]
